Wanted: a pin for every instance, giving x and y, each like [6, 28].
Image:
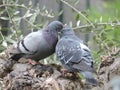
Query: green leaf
[4, 43]
[78, 23]
[16, 12]
[33, 18]
[16, 18]
[101, 19]
[27, 14]
[8, 39]
[61, 12]
[4, 18]
[77, 17]
[77, 2]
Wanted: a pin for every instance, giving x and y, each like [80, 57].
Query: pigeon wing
[68, 50]
[71, 52]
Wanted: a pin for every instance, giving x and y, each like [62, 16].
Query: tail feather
[90, 78]
[93, 81]
[16, 57]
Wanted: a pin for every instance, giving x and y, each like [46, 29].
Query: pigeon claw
[32, 62]
[64, 71]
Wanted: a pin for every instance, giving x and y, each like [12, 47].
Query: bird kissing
[74, 55]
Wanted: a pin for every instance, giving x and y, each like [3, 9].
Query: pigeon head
[67, 31]
[55, 25]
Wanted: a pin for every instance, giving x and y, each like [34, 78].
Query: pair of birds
[70, 50]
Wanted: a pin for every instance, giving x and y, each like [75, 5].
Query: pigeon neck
[51, 37]
[52, 32]
[66, 33]
[52, 29]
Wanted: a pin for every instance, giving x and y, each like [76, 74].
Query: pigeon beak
[64, 25]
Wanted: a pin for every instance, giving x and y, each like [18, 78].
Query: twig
[12, 22]
[30, 23]
[116, 52]
[98, 68]
[81, 27]
[78, 12]
[97, 24]
[22, 6]
[2, 35]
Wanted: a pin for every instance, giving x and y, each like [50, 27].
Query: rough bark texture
[109, 71]
[23, 76]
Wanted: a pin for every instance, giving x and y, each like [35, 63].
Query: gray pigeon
[38, 45]
[74, 55]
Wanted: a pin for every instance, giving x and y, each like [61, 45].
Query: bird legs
[32, 62]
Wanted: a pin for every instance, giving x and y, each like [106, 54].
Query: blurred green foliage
[107, 37]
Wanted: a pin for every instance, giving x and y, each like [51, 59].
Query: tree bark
[23, 76]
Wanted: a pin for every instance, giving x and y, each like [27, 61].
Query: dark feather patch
[16, 57]
[92, 81]
[83, 67]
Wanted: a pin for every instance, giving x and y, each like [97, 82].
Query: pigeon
[74, 55]
[38, 45]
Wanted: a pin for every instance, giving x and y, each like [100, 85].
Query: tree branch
[78, 12]
[98, 24]
[22, 6]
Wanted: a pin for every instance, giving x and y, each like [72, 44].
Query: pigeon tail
[90, 78]
[17, 56]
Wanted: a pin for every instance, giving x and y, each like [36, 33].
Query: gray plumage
[74, 55]
[38, 45]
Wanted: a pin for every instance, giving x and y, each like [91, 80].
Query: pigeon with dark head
[38, 45]
[74, 55]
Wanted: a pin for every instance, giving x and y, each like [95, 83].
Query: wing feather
[72, 52]
[69, 50]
